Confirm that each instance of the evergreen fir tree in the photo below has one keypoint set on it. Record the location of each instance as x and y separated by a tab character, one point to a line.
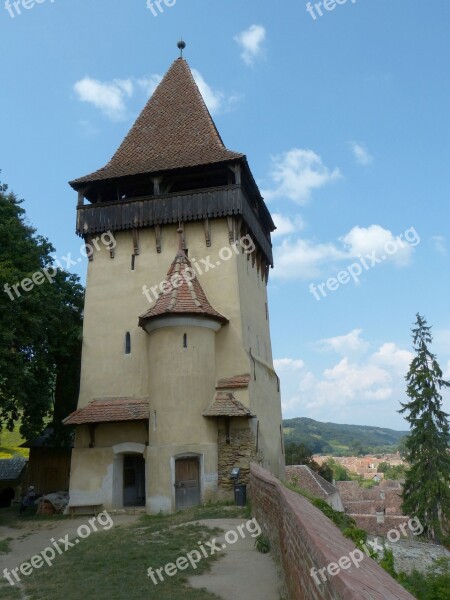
426	493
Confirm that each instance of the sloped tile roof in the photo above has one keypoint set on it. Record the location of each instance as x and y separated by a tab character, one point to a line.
110	410
237	381
311	481
226	405
187	298
11	468
175	130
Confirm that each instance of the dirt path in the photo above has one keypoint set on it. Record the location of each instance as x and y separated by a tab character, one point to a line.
242	572
34	536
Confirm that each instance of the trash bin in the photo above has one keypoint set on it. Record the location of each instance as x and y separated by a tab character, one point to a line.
240	494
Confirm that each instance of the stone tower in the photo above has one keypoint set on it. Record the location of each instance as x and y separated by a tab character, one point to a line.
177	381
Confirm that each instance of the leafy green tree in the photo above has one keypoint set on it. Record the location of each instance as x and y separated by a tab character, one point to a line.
298	454
40	330
426	493
340	473
325	471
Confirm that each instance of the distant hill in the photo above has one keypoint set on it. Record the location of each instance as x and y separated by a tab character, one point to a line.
341	440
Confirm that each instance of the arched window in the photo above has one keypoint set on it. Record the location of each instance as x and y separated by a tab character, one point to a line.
185	340
127	343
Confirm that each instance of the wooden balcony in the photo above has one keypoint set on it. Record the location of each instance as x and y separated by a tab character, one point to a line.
196	205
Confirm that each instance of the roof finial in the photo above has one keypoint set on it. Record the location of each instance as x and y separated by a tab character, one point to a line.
181	45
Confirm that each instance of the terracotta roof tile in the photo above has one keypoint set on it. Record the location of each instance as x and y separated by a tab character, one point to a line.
110	410
175	130
226	405
311	481
188	298
237	381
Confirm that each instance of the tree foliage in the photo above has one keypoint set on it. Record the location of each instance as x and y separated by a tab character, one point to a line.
40	331
426	493
300	454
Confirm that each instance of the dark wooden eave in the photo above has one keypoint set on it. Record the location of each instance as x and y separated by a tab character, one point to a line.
148	211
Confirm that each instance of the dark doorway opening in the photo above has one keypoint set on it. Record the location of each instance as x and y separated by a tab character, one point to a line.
133	480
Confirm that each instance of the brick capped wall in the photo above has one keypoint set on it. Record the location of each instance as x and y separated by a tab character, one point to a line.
302	538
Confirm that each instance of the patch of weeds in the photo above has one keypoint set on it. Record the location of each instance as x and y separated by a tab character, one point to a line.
262	544
4	546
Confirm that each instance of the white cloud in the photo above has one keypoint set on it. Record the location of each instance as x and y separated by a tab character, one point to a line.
213	99
345	344
361	154
440	244
251	42
305	259
302	259
296	173
149	84
446	371
362	241
286	225
111	97
108	96
390	355
288	364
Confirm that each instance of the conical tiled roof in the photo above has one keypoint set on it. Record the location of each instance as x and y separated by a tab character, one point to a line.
175	130
185	296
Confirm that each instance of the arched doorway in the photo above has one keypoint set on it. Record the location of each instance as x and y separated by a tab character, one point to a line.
129	481
187	482
133	480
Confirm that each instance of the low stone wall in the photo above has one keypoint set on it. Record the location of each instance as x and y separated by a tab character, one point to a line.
302	539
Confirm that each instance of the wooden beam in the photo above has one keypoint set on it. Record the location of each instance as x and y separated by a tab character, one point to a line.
158	238
207	226
136	242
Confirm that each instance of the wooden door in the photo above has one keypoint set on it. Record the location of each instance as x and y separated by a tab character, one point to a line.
187	482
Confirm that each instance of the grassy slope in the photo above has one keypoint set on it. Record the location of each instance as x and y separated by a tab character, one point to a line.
10	442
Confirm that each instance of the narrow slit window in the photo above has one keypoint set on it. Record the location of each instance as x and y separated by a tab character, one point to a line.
127	343
185	341
133	261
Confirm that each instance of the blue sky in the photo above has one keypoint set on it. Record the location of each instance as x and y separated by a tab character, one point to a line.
344	119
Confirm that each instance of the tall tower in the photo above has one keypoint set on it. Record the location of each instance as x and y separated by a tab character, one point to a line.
177	380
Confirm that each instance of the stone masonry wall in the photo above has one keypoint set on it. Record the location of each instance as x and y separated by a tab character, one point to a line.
302	538
238	453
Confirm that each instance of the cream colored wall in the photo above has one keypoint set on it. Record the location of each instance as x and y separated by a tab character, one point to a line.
180	383
114	301
108	434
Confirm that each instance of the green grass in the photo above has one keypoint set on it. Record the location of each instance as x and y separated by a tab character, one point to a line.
4	546
10	442
112	565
